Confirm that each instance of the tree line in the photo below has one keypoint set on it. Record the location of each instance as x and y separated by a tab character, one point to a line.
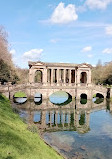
102	74
8	71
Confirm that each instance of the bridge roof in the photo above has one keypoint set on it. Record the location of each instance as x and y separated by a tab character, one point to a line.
39	63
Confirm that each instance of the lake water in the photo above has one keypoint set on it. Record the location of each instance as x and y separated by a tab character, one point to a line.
78	131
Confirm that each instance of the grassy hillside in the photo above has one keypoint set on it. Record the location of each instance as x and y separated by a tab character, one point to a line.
16	142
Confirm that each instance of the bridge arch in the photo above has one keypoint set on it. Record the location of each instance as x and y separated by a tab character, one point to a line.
60	98
20	94
99	95
56	91
83	77
26	91
83	98
38	76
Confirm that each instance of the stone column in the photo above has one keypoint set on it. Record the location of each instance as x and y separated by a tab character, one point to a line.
87	73
77	119
66	117
64	72
56	119
52	76
68	113
61	75
45	76
43	119
89	76
87	118
69	77
31	75
49	75
30	117
50	118
57	76
75	76
78	77
63	118
74	118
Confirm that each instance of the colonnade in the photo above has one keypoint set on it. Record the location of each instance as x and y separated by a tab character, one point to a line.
60	74
55	119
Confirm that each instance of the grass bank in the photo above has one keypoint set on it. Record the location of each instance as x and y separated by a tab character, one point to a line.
16	142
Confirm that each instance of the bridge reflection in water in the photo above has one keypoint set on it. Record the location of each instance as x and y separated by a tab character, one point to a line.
49	117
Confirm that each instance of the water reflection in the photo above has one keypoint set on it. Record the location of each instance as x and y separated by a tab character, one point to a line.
20	100
38	98
98	100
50	117
60	98
38	101
76	130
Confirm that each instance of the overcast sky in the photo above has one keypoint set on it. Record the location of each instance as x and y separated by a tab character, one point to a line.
73	31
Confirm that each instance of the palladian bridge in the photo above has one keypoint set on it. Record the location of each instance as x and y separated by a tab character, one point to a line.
47	78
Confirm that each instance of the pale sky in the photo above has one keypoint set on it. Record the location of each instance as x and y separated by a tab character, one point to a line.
73	31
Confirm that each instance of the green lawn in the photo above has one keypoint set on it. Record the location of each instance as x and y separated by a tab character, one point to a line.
16	142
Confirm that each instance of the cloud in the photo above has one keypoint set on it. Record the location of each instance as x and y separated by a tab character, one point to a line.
89	55
107	51
13	52
33	54
97	4
86	49
54	40
108	30
63	15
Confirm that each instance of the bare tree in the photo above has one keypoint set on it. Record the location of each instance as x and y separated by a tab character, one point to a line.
4	53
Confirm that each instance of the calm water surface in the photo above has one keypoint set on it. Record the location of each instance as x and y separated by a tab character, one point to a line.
82	131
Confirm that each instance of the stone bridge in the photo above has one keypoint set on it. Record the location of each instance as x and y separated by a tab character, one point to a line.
47	78
31	89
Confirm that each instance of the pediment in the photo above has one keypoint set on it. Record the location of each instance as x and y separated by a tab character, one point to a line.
38	63
84	65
